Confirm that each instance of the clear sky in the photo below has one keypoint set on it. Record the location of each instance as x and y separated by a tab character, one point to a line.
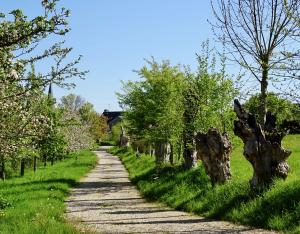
114	36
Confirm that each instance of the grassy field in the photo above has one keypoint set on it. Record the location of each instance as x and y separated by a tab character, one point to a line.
35	203
277	207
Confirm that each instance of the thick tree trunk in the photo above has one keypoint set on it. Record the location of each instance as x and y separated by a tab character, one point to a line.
162	153
262	147
214	149
22	169
34	163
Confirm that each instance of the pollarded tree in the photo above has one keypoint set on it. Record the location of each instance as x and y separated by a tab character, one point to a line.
153	107
207	102
259	35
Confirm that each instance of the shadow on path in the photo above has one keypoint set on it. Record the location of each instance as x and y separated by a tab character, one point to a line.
107	202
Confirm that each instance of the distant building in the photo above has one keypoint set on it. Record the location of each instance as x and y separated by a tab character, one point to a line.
113	117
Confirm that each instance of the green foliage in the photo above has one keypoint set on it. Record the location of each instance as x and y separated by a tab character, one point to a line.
283	108
115	133
154	105
52	145
27	126
4	203
35	202
170	106
234	201
209	93
98	127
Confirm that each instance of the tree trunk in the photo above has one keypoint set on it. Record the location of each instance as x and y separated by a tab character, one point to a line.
214	149
34	163
171	154
124	139
150	150
22	169
189	152
179	152
263	97
45	161
162	153
2	169
262	147
52	160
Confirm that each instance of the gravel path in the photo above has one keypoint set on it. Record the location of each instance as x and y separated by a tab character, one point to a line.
107	202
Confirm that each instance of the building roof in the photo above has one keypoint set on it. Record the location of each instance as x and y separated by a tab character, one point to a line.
112	116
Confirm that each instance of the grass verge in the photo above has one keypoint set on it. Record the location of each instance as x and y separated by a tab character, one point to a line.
35	202
277	207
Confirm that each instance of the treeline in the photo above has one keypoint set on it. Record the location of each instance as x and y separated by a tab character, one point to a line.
180	115
31	126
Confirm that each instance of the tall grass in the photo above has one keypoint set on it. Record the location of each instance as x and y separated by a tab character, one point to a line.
35	202
276	207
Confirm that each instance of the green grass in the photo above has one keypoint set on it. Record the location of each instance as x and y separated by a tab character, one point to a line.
277	207
35	202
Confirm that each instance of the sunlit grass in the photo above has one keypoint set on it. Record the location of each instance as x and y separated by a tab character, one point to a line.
277	207
35	203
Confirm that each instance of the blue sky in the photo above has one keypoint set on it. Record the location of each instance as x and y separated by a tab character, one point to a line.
114	37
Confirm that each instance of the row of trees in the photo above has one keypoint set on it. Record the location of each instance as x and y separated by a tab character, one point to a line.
171	104
177	110
31	126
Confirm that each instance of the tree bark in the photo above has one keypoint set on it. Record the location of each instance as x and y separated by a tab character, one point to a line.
171	154
124	139
262	147
263	97
45	161
214	149
162	153
22	169
189	152
34	163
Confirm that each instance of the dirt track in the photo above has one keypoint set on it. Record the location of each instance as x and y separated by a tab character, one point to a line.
107	202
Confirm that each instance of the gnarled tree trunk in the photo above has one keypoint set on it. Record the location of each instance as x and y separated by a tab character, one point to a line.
262	147
214	149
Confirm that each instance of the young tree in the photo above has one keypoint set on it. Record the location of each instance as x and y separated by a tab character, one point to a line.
258	34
